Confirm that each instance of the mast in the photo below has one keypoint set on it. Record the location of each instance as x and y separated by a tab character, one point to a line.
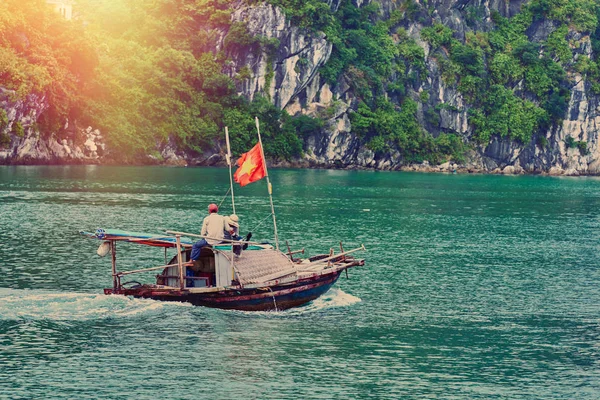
228	157
113	256
262	153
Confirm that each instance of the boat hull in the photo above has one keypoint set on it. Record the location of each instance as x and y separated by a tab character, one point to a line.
272	298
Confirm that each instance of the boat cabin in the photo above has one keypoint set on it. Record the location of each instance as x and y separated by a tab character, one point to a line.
213	268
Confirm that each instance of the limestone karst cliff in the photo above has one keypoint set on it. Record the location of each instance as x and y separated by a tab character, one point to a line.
302	90
434	79
27	145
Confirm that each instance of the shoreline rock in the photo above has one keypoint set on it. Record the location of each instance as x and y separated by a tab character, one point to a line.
216	160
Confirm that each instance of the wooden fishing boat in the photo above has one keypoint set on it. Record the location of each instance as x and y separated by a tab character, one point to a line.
262	278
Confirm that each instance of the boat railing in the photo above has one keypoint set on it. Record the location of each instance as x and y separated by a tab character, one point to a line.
342	256
135	271
118	275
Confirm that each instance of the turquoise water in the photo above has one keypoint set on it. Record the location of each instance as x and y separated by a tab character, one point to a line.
474	287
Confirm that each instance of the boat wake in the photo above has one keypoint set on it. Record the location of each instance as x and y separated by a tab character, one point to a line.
332	299
18	305
48	305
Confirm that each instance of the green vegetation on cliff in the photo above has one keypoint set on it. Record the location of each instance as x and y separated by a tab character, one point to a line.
42	53
381	63
515	87
145	72
150	72
175	86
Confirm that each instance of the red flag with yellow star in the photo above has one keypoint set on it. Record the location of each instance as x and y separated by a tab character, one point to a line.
251	167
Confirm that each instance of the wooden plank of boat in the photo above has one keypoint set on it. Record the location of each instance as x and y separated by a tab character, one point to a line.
268	293
212	289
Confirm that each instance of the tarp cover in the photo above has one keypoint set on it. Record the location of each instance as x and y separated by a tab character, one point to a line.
256	266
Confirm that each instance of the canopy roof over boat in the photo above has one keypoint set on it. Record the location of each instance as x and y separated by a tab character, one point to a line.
149	239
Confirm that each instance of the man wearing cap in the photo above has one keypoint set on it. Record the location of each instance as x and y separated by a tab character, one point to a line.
214	227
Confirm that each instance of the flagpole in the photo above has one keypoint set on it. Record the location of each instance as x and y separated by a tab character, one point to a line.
228	157
262	153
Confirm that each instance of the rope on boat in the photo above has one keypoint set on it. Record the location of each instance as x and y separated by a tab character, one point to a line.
257	225
261	222
274	302
224	197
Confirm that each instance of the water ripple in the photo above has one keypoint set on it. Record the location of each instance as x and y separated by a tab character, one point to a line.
474	287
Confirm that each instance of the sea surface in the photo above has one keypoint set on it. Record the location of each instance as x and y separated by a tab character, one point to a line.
474	287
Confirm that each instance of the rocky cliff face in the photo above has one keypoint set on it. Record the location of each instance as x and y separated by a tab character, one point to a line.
288	73
301	90
294	65
24	144
581	123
